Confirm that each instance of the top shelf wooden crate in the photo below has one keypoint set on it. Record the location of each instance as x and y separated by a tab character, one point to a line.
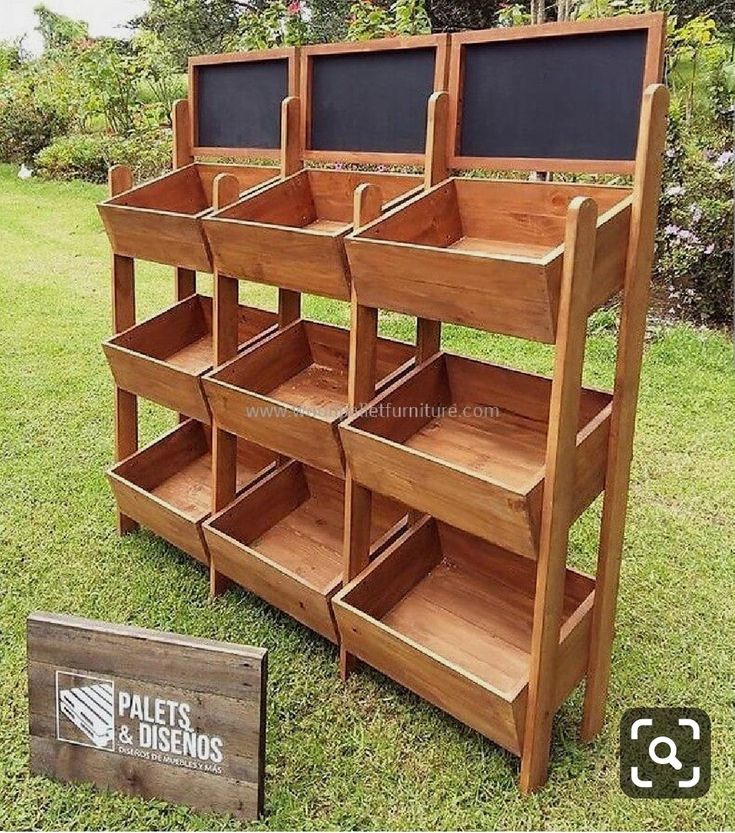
486	253
291	233
161	219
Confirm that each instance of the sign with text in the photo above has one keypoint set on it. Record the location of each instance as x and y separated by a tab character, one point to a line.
152	714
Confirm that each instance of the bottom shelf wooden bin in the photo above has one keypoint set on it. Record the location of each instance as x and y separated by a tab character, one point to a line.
282	540
166	486
450	617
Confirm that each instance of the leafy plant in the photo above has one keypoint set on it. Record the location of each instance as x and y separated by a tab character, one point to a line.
57	30
278	24
404	17
148	153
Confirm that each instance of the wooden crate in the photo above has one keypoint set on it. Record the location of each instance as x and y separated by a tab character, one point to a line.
163	358
282	539
291	234
465	441
450	617
161	219
289	392
166	486
486	254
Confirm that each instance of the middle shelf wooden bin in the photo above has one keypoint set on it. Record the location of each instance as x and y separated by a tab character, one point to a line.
164	357
450	617
289	391
291	233
282	539
465	441
167	486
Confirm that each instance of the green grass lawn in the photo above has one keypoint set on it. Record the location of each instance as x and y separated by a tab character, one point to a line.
368	755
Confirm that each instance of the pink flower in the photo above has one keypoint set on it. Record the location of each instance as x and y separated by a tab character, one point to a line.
294	7
709	249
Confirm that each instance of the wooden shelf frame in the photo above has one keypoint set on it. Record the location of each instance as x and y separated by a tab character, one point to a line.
558	503
146	371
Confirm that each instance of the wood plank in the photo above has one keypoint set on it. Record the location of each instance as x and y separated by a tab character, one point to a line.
558	502
224	700
639	261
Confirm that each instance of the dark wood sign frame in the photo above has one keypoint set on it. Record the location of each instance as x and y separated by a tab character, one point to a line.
290	54
441	67
652	24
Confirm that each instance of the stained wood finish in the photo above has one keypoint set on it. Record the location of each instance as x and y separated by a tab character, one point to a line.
161	219
283	541
164	358
226	697
449	616
122	295
166	486
558	509
485	254
291	233
456	426
290	393
627	378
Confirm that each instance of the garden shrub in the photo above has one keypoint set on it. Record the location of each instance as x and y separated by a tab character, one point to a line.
694	250
27	124
89	156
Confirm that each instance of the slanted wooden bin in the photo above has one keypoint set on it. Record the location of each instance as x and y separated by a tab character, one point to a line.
411	505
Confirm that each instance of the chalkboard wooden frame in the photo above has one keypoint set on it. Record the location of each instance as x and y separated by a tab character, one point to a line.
652	24
290	54
441	72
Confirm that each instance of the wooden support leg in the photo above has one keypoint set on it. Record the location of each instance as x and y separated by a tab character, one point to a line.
224	444
185	283
647	180
557	509
123	316
361	383
289	307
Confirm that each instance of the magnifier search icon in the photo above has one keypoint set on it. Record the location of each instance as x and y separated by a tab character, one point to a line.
669	759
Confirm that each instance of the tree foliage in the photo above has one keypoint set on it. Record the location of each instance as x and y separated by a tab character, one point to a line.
58	30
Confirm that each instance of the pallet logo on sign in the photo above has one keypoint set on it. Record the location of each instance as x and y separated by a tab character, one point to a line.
91	711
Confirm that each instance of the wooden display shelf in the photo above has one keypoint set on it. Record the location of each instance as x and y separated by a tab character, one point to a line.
161	219
291	233
163	358
486	253
450	617
465	441
289	391
282	539
166	486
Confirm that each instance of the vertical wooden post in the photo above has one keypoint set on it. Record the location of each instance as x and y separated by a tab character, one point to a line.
361	384
185	279
429	333
646	188
224	444
120	179
289	302
558	499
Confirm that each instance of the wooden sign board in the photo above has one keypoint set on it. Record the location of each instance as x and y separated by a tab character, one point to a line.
151	714
235	101
555	97
367	102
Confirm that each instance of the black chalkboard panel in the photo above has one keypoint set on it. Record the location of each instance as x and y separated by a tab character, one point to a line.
568	97
371	101
238	105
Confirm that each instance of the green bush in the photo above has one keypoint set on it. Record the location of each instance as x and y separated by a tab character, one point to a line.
89	156
694	247
26	126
